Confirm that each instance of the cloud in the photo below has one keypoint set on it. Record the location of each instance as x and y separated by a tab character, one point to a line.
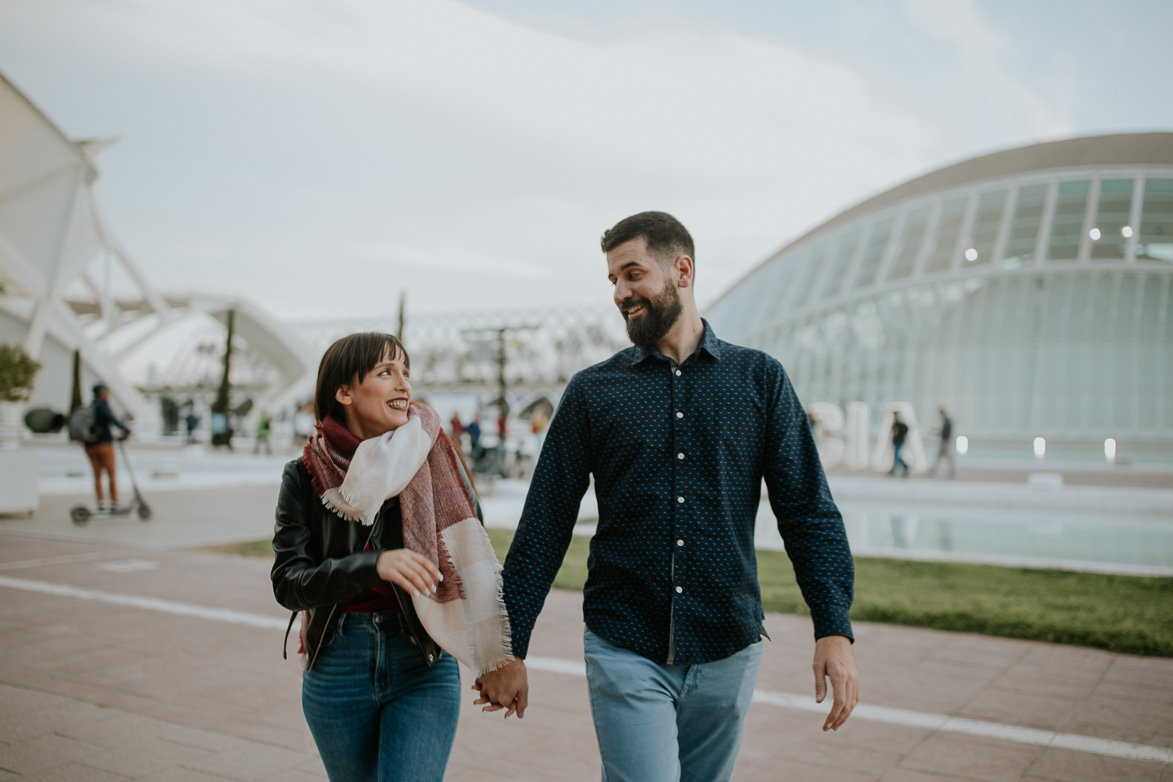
982	88
294	144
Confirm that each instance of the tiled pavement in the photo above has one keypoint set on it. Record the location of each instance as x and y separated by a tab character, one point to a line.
91	689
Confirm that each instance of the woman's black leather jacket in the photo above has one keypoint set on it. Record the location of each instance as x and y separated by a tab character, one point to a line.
322	559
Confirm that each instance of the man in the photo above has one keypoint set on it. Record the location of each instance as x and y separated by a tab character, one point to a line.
945	448
101	449
899	434
678	432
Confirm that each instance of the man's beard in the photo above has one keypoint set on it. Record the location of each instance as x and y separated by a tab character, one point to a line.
660	315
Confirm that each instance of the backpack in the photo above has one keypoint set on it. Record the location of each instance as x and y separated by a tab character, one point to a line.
83	425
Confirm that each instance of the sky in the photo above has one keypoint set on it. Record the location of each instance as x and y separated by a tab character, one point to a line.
322	156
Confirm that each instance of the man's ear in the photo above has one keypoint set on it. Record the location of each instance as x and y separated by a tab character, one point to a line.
684	270
342	395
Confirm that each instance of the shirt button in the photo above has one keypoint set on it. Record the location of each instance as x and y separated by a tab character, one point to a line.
679	590
680	415
680	543
679	456
680	499
678	373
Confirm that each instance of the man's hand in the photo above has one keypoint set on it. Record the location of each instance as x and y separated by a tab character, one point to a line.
505	688
834	658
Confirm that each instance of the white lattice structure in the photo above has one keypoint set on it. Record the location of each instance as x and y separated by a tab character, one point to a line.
1027	290
66	283
459	351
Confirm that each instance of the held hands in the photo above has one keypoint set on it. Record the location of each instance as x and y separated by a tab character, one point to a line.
834	658
409	570
505	688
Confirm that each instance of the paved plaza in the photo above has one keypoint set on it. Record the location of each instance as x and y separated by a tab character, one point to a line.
128	653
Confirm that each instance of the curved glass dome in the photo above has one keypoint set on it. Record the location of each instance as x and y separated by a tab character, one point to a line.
1027	291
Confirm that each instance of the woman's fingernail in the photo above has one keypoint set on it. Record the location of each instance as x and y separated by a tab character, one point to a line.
441	576
417	593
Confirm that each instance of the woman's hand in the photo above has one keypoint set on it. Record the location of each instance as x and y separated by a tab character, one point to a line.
409	570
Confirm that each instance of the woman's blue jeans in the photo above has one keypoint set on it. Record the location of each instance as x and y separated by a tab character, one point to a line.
664	723
376	710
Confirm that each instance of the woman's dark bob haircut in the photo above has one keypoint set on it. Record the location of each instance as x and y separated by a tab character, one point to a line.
347	361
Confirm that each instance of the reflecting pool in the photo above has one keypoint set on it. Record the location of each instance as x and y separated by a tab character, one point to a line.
1125	543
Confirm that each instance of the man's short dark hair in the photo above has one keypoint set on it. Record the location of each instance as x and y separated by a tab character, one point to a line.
665	236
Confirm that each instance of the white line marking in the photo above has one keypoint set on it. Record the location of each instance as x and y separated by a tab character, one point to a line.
149	603
912	719
127	566
926	720
62	560
995	730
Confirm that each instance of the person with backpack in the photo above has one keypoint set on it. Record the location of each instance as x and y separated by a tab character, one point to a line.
100	445
899	434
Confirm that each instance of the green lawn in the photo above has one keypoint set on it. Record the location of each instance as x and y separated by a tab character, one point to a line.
1118	613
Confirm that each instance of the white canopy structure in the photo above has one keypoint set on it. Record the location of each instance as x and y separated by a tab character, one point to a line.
66	282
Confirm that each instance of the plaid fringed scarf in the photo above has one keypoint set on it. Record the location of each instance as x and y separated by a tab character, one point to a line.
466	615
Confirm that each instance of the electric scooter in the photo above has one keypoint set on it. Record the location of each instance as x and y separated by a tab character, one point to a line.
81	515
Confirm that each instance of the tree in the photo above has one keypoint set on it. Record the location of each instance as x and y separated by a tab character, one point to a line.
75	400
221	403
402	314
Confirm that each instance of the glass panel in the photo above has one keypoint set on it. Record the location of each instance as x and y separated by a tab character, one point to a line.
771	284
1156	223
908	243
806	276
945	241
980	248
1110	229
874	253
834	279
1024	227
1067	227
728	317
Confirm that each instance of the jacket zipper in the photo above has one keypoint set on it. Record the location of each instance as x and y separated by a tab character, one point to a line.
428	657
333	608
321	637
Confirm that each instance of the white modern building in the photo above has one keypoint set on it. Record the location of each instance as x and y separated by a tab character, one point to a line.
1027	291
67	284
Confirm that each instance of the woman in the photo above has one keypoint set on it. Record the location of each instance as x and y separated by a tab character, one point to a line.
379	544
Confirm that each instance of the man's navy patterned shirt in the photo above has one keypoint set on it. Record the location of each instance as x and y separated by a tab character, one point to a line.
678	454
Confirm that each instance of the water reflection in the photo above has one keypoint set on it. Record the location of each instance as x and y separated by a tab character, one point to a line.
1064	539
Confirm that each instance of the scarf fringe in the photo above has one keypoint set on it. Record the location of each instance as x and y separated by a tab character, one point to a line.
415	463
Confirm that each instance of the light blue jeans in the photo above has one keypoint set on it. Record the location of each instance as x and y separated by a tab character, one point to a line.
376	710
664	723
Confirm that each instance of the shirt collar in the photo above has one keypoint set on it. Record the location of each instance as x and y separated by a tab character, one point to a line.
709	344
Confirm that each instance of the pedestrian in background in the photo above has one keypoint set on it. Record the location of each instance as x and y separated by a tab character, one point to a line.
899	434
191	421
945	448
262	436
100	450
